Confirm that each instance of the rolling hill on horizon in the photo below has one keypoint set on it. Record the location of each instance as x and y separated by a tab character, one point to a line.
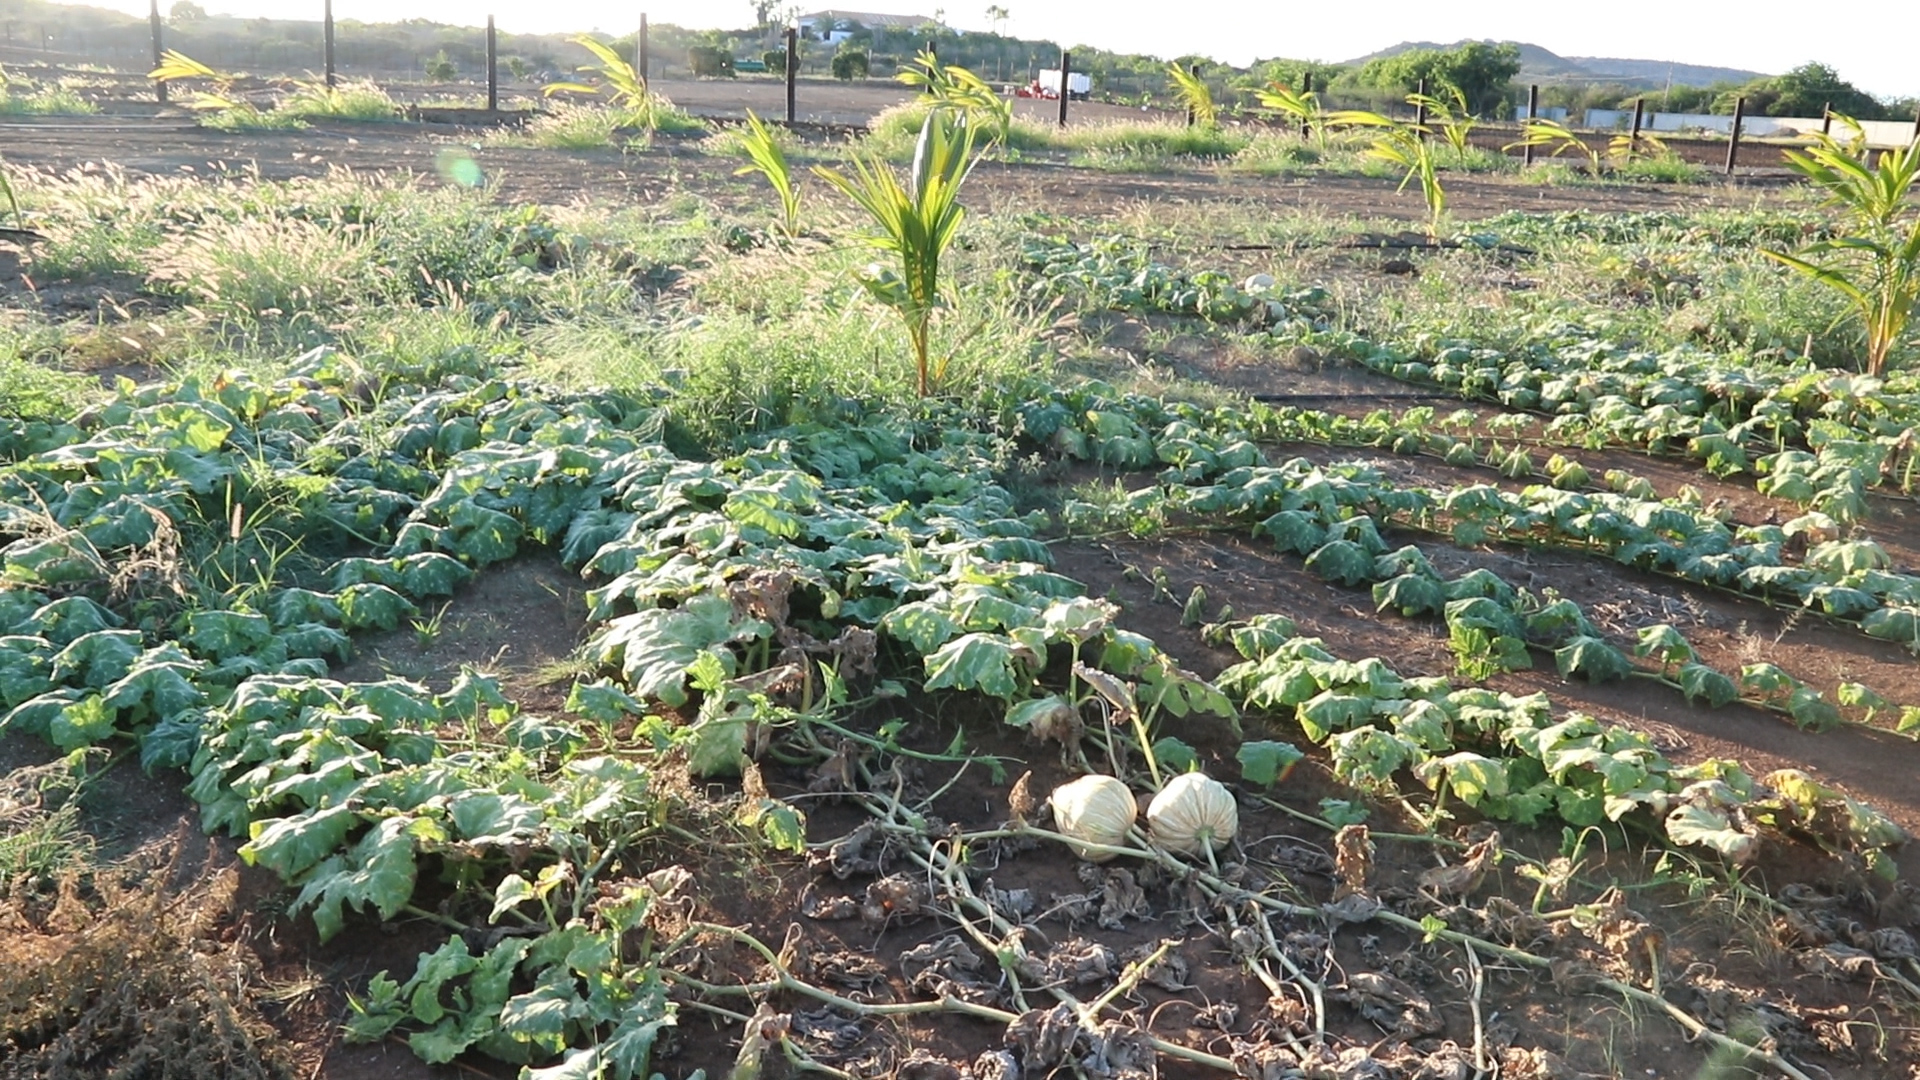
1538	64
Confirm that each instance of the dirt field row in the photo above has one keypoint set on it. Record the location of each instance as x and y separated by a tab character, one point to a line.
165	146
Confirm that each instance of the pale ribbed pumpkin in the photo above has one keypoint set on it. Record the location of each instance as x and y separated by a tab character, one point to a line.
1192	814
1095	809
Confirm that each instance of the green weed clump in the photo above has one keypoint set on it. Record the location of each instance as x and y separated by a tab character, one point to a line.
359	99
22	97
49	101
571	126
567	126
249	117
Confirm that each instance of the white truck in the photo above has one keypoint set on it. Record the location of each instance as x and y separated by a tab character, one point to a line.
1078	84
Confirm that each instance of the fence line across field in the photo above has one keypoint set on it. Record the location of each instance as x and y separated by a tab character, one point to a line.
1064	84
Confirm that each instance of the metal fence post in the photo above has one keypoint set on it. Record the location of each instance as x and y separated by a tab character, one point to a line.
642	59
493	68
1733	144
1066	65
1533	113
153	17
327	48
793	72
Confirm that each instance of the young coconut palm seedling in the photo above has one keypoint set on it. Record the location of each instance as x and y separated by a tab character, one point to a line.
176	65
7	198
1877	267
1194	93
917	224
954	87
1303	106
1558	137
765	157
1403	146
626	88
1450	117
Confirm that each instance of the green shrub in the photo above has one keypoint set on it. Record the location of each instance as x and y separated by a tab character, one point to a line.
850	64
710	62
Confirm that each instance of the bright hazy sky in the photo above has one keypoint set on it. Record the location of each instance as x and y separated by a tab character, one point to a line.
1871	42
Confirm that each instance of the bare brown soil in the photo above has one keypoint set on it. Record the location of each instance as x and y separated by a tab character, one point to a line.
164	146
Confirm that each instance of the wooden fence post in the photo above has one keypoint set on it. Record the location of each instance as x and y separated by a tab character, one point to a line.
793	71
1193	70
1066	65
1533	113
1826	118
1306	87
1733	144
327	47
493	68
1639	112
641	60
1916	124
1420	111
153	17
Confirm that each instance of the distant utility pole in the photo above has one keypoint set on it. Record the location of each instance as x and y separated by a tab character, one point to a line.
493	68
327	48
153	18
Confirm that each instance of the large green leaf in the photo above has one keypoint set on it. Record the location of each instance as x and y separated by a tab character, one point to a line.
481	535
290	845
1343	562
85	722
654	648
1294	530
368	605
1700	682
25	664
154	690
217	635
1592	659
98	659
1267	762
378	871
1471	777
989	663
1709	827
1410	594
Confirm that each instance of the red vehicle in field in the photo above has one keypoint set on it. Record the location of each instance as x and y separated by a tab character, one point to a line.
1046	86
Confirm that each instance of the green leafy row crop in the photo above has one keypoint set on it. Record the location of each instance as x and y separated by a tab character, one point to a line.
1512	759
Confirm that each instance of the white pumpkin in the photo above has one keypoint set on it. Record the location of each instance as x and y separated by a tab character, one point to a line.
1096	809
1192	814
